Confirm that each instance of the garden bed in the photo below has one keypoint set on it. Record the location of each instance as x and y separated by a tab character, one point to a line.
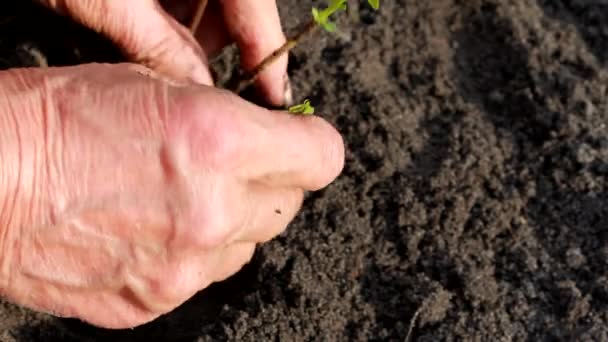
474	201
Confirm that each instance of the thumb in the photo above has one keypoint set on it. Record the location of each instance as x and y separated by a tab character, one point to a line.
146	34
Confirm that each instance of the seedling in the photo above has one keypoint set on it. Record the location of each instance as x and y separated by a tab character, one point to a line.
304	108
320	18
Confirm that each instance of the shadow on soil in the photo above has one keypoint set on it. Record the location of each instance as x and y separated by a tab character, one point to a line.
62	42
589	17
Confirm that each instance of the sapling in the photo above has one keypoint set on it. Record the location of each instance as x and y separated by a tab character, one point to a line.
320	18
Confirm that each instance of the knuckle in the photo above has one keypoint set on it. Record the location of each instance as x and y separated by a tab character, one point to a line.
160	56
213	139
223	142
164	286
213	232
179	281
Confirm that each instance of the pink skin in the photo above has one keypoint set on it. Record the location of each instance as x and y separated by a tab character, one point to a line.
152	35
123	195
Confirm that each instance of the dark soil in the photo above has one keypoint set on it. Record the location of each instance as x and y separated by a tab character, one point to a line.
474	202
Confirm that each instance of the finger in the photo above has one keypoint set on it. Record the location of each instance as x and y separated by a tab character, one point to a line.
230	260
176	52
147	35
295	151
253	143
181	10
191	271
163	288
211	33
255	25
270	210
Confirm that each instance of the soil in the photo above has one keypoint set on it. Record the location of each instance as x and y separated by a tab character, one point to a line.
474	201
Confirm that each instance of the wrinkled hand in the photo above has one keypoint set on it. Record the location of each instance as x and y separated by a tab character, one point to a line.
122	196
149	35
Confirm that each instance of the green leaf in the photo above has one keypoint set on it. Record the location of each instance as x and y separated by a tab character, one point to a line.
304	108
374	3
316	14
321	17
329	27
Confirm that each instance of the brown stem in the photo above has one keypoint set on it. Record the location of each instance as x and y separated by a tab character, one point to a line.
198	15
250	77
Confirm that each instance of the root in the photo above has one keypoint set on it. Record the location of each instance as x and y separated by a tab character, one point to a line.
413	323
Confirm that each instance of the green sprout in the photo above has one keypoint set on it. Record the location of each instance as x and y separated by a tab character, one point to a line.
304	108
321	17
374	3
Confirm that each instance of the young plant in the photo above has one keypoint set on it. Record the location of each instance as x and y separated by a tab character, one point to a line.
320	18
303	109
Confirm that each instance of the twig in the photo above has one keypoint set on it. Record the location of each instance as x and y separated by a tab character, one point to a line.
413	323
198	15
288	45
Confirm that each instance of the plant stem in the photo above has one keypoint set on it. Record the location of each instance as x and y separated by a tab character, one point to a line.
198	15
250	77
413	323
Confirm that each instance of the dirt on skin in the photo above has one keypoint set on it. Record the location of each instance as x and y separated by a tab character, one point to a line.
474	201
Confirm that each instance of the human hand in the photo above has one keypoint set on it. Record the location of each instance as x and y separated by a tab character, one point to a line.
121	196
149	35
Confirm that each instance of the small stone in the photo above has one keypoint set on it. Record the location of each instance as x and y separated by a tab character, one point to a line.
575	257
601	168
497	96
530	289
589	109
584	154
435	307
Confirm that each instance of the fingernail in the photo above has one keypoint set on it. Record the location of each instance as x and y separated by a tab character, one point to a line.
288	95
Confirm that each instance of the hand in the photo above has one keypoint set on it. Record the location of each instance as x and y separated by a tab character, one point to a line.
121	196
151	36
